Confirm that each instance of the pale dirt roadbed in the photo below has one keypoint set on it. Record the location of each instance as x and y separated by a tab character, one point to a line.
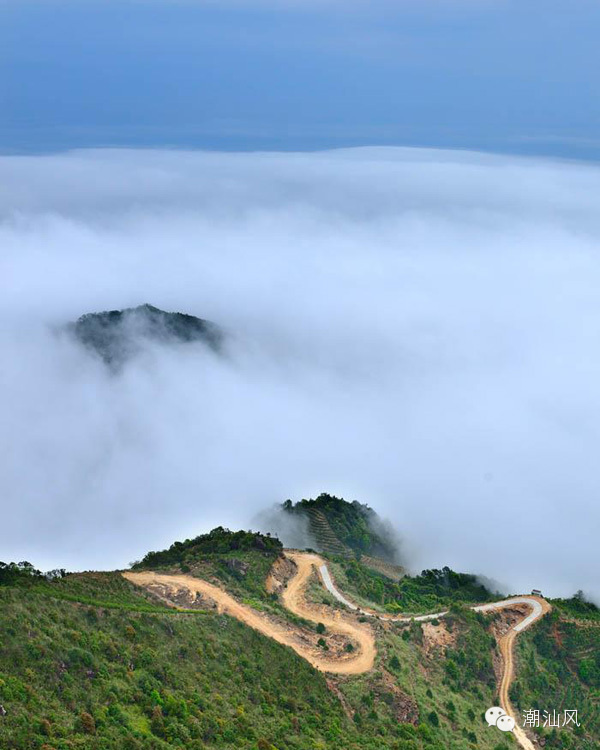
506	645
359	661
362	658
538	606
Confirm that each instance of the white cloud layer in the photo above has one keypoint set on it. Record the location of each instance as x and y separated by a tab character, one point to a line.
415	329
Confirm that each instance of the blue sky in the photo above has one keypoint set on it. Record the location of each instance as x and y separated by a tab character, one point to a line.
503	76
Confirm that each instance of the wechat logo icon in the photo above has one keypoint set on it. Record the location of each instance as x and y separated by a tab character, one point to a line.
497	717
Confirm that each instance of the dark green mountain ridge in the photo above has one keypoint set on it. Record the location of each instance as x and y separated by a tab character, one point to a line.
116	335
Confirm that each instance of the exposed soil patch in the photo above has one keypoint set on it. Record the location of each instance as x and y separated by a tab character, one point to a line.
505	619
282	570
436	637
183	598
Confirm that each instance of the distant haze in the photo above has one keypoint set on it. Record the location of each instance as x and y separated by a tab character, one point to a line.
297	75
414	329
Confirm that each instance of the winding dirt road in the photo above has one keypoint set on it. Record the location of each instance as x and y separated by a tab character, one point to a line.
506	646
359	661
538	606
362	658
293	598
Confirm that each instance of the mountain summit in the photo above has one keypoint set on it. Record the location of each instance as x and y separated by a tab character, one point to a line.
116	335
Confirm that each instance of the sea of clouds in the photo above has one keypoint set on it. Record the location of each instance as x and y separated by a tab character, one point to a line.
414	329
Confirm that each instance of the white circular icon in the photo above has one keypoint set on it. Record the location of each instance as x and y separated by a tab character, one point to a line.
505	723
493	714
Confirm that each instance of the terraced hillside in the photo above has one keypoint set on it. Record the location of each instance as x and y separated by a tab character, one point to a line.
326	540
349	530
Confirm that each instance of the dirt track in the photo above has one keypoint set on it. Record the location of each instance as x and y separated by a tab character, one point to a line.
506	645
293	599
363	657
361	660
538	606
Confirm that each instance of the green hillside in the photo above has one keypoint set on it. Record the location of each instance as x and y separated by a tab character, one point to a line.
120	676
559	668
88	677
238	561
430	591
343	528
89	661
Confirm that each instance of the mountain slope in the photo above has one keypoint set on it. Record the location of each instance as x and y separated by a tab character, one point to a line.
346	529
91	661
94	678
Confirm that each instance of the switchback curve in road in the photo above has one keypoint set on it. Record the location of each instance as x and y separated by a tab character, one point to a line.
539	607
363	658
359	661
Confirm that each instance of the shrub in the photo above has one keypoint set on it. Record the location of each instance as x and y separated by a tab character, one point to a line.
87	723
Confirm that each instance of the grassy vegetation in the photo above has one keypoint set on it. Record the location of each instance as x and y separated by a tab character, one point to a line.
106	590
74	676
91	662
219	541
558	669
578	607
432	590
449	687
95	677
238	561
